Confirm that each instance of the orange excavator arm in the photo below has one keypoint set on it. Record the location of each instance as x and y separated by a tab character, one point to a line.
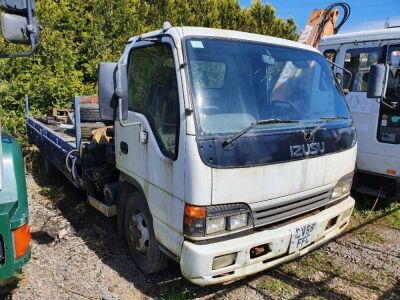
322	22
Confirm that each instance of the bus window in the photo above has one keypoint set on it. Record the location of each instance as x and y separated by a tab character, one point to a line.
358	62
389	118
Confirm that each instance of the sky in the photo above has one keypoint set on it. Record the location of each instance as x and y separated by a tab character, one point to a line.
365	14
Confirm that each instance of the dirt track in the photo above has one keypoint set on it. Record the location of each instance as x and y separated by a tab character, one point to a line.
77	255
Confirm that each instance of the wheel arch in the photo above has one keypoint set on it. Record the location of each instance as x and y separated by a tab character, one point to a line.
128	185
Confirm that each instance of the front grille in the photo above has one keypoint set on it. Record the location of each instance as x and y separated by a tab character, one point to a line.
282	210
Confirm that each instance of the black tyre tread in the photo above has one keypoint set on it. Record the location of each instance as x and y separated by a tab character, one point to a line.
158	260
86	128
90	112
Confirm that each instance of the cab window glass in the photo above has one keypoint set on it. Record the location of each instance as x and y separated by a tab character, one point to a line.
210	74
389	118
153	92
393	60
358	62
330	55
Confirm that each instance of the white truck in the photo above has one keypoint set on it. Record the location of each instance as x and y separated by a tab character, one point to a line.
377	120
234	151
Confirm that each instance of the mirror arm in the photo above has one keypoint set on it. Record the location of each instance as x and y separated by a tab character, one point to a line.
28	53
120	121
119	93
393	106
32	30
341	68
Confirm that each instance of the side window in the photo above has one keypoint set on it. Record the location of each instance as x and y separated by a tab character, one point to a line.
153	92
330	54
389	119
393	85
358	62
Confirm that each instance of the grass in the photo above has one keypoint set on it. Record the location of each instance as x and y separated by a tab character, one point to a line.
388	210
368	235
321	261
393	217
174	293
275	287
294	269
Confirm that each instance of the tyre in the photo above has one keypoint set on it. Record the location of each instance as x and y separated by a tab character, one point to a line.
139	230
86	129
110	193
90	112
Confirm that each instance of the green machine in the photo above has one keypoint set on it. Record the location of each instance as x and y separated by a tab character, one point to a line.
18	26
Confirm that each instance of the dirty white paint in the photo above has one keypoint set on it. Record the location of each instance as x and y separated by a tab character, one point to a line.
168	184
196	260
359	103
373	156
262	183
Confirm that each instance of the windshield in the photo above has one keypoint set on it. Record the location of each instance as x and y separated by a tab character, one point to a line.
236	83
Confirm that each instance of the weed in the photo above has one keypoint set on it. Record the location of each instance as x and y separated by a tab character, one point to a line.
278	288
46	191
393	217
368	235
174	293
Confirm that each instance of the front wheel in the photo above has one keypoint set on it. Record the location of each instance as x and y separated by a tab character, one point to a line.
139	230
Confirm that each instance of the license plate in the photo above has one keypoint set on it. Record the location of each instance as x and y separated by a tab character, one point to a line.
302	236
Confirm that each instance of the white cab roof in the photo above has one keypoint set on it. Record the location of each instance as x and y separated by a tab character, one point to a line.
239	35
362	36
181	32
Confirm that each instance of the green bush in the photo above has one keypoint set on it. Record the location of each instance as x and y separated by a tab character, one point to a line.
77	35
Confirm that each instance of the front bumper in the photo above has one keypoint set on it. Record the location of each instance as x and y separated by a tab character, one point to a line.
9	271
197	260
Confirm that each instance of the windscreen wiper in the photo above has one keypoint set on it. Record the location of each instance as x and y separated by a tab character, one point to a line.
324	120
233	138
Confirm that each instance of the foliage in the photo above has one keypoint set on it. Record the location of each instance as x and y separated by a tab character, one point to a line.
77	35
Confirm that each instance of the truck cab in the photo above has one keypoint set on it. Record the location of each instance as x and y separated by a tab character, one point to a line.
14	228
235	151
18	26
377	120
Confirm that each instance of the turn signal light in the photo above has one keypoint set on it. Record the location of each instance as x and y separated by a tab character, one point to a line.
197	212
22	238
391	171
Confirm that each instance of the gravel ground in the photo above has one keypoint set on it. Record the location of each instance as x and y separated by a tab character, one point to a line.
76	254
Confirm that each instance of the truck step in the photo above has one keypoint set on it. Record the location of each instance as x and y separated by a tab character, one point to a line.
108	211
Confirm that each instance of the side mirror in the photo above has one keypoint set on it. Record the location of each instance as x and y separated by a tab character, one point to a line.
20	7
15	29
377	80
108	100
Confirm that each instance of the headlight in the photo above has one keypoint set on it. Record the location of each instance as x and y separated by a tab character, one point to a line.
238	221
201	221
215	225
343	187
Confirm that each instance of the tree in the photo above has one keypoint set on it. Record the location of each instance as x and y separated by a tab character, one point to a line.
78	35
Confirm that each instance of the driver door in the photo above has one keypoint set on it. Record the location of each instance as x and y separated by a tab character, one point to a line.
374	154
